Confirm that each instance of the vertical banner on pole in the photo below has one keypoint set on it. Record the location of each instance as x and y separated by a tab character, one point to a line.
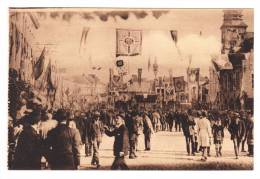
139	76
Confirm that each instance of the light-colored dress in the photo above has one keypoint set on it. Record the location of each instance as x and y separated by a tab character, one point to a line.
204	132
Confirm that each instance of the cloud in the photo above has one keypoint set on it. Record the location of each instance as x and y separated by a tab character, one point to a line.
200	48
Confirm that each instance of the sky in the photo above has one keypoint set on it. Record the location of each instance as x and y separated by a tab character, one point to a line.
63	31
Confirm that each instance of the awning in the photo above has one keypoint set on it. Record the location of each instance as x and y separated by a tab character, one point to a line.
222	62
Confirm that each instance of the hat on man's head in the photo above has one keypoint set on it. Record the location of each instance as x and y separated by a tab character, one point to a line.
34	117
199	113
61	115
96	114
204	113
236	114
44	115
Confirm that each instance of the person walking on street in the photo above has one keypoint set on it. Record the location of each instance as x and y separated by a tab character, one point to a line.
121	143
132	131
148	131
237	131
29	149
250	135
218	135
96	138
139	125
63	145
244	118
204	132
88	120
188	127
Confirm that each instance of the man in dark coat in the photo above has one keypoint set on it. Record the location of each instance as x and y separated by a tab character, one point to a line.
79	121
63	145
177	118
237	131
170	120
131	125
120	144
188	127
250	134
29	148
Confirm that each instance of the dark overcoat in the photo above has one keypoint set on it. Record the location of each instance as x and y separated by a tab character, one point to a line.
121	140
29	150
63	144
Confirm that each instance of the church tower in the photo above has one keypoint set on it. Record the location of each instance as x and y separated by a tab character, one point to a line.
233	31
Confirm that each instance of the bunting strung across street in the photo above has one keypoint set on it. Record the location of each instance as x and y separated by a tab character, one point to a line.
179	84
128	42
193	75
38	67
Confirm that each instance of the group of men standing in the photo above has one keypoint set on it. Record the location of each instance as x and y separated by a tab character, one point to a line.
202	129
58	136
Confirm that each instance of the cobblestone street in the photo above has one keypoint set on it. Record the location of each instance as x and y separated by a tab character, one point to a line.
169	153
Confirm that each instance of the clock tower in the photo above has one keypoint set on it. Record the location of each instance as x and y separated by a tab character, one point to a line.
233	31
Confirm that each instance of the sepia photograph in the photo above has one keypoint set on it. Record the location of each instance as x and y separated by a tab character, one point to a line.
130	89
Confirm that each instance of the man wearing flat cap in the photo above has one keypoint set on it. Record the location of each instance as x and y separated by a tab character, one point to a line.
237	131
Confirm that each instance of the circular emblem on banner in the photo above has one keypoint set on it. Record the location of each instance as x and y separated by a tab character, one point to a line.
178	85
129	40
119	63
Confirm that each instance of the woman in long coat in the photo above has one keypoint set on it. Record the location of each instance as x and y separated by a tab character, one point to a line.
204	132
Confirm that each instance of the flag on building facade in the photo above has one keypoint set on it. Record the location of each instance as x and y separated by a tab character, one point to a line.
149	64
116	81
38	67
49	79
193	75
121	66
174	35
179	84
83	39
128	42
169	90
84	36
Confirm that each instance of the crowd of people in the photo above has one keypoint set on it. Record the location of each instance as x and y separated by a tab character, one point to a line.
41	135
